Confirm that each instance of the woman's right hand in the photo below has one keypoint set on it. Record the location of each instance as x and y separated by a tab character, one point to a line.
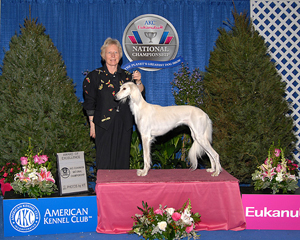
92	130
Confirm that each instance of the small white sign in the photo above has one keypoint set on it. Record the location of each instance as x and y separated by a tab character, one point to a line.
71	172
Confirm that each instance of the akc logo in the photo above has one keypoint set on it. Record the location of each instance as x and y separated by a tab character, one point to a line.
65	172
24	217
150	37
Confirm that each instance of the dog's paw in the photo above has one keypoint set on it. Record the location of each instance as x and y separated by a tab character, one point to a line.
210	170
141	172
215	174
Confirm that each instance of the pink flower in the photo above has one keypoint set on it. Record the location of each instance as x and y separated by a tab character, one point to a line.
5	174
40	159
159	211
46	175
22	176
271	161
43	158
11	170
190	228
36	159
278	168
24	160
277	152
176	216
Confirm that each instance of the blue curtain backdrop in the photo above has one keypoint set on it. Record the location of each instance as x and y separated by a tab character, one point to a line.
78	29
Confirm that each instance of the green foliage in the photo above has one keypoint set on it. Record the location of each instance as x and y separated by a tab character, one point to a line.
165	151
136	152
38	100
40	189
244	97
187	87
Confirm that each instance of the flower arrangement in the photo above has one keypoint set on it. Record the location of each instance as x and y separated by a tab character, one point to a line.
276	173
35	179
7	174
166	223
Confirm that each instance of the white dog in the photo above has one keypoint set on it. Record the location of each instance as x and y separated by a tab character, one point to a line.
154	120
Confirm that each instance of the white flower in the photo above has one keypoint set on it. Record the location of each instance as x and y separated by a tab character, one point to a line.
186	217
279	177
32	176
170	211
293	177
162	225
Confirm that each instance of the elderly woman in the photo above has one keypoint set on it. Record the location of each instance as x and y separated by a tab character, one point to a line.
111	122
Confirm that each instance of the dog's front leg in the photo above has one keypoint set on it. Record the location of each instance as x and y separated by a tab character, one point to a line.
146	142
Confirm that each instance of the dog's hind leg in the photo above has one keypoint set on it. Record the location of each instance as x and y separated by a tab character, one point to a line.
213	157
198	149
146	142
202	134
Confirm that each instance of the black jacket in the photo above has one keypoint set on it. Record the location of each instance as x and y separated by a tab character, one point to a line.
99	88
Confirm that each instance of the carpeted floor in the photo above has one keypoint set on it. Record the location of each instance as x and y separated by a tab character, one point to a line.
164	175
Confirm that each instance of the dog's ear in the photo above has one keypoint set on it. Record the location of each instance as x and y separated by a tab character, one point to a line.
135	94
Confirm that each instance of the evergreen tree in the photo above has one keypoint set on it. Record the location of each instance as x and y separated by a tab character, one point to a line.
38	101
244	97
187	86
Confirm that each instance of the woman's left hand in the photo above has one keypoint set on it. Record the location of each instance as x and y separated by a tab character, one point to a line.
136	75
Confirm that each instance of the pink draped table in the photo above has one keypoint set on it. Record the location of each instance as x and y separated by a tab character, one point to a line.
216	199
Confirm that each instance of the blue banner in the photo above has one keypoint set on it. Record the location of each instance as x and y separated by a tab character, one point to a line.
153	64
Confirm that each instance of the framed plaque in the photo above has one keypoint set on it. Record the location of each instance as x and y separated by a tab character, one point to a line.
71	173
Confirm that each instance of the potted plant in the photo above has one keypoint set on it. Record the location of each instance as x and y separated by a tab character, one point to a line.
166	223
276	173
35	179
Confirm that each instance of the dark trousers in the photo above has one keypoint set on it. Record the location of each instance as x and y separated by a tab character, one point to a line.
113	146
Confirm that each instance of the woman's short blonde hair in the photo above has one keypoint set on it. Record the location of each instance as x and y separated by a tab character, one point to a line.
111	41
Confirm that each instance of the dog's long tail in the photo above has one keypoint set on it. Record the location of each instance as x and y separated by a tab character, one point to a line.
197	149
208	130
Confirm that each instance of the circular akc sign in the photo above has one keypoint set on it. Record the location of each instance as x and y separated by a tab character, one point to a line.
24	217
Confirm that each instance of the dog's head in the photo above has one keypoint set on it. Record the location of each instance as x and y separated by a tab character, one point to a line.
125	91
